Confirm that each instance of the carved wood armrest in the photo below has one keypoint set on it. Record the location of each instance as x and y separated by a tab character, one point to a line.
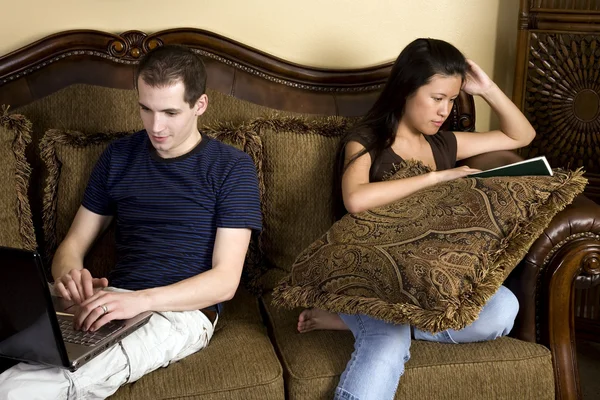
568	250
556	307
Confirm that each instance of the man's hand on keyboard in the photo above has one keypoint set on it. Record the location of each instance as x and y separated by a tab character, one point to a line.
105	306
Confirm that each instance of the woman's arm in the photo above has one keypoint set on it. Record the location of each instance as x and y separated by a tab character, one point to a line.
359	194
515	130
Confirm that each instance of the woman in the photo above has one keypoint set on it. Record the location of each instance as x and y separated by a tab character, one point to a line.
404	123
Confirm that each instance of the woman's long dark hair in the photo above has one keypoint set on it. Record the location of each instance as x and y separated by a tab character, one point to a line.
414	67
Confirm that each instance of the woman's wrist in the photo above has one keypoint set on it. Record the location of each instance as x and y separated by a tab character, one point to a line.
433	178
491	94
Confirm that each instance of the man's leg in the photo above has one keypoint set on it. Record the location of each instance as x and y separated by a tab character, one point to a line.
185	333
496	319
377	363
36	381
166	338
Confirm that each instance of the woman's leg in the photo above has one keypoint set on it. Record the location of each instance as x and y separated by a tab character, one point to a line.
496	319
377	363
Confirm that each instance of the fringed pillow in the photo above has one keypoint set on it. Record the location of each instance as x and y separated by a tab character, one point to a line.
432	259
15	212
69	158
245	138
298	159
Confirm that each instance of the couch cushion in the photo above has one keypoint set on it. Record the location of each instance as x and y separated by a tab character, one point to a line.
505	368
298	167
238	364
434	258
15	212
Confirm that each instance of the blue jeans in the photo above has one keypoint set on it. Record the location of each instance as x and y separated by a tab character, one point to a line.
381	349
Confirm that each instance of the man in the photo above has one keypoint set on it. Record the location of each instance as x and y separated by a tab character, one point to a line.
184	205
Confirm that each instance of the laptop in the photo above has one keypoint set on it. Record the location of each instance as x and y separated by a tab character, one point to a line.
38	327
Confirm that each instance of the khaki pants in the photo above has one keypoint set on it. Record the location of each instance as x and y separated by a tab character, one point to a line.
167	337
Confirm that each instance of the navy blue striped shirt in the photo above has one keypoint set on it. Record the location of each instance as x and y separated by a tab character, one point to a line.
168	210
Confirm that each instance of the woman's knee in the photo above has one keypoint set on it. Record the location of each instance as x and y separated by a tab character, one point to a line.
500	312
380	341
496	319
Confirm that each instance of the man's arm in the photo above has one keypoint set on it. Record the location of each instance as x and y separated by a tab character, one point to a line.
72	281
206	289
211	287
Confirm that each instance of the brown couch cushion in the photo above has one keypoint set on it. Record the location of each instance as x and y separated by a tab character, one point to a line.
238	364
298	167
15	212
69	158
505	368
432	259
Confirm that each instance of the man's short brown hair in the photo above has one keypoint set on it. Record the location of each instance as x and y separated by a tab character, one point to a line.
166	65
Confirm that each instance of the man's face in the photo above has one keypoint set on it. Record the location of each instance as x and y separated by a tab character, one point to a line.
170	122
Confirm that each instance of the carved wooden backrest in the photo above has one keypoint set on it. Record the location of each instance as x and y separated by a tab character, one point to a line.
557	82
104	59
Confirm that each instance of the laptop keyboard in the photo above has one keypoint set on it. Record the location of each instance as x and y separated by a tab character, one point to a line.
71	335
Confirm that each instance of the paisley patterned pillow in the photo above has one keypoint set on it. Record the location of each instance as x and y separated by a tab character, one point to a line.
432	259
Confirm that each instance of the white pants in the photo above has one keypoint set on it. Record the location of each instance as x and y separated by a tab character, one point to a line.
167	337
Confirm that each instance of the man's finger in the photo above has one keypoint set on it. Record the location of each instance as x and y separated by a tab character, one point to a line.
86	311
72	288
99	282
93	317
103	320
76	276
87	283
94	299
64	293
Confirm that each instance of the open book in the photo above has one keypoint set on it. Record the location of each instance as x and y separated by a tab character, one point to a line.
533	166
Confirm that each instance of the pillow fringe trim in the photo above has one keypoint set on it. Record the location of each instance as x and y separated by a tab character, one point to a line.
22	127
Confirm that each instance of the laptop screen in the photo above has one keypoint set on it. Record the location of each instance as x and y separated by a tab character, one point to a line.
28	325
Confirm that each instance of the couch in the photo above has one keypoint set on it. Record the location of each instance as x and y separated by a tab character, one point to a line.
79	84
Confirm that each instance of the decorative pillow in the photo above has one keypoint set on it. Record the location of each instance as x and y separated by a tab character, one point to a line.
432	259
16	223
245	138
70	156
297	167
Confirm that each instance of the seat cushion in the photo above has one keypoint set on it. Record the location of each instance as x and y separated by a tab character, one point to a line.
505	368
239	363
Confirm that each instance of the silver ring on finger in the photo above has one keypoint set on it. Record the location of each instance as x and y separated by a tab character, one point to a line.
104	308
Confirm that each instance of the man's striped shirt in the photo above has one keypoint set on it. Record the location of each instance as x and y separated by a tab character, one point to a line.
168	210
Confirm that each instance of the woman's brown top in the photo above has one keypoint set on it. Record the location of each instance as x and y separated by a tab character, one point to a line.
443	146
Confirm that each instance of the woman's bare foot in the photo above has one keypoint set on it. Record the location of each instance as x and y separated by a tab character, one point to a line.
315	319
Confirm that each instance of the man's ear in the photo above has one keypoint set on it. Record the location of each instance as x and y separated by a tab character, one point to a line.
201	105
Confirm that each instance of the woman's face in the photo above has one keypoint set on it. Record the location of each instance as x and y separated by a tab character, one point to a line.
427	108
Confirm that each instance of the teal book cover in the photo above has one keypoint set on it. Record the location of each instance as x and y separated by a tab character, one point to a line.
534	166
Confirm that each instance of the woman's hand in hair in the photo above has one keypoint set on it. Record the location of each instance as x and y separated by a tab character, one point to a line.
477	82
453	173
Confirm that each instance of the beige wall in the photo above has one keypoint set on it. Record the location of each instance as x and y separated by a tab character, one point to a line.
324	33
